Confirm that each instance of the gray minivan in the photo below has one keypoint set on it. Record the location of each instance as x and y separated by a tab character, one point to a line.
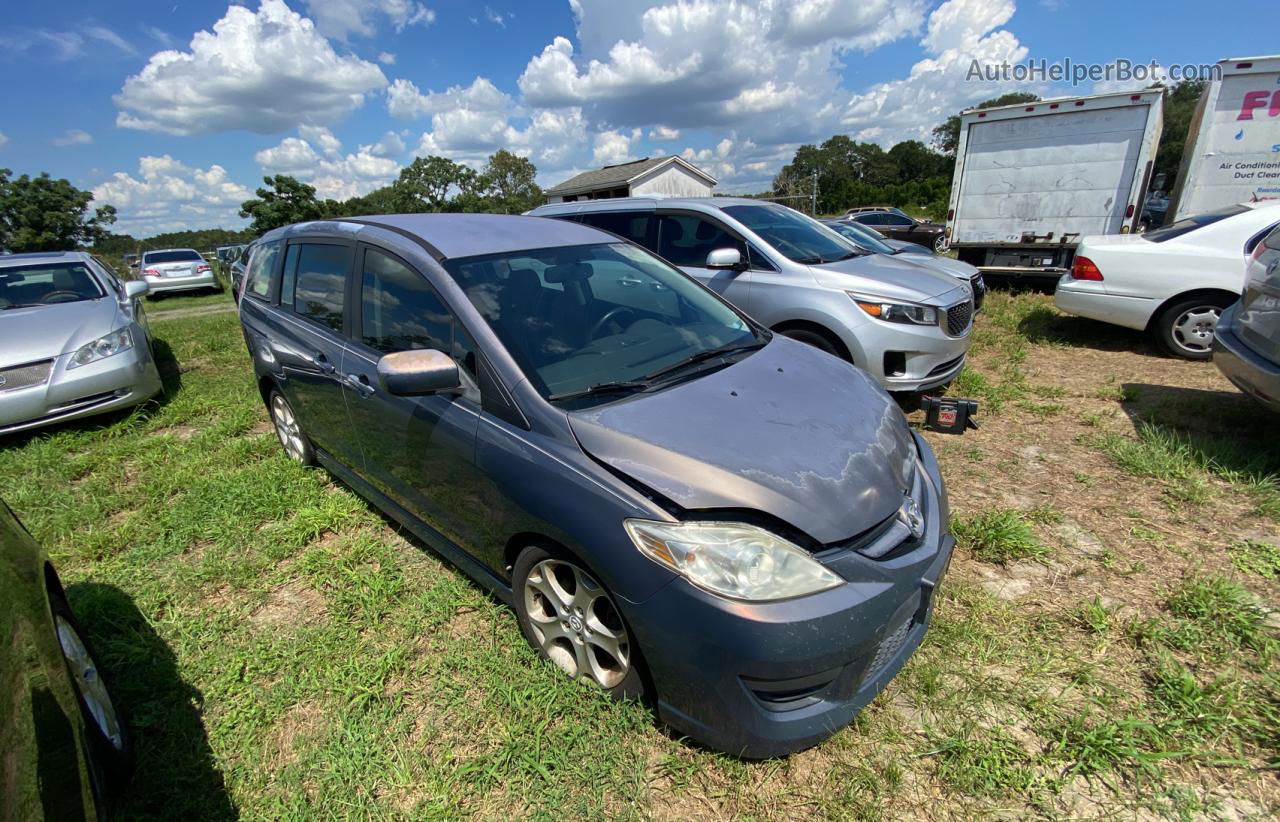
905	325
1246	345
679	504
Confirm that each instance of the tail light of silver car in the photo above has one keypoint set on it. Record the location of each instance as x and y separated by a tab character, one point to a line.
201	269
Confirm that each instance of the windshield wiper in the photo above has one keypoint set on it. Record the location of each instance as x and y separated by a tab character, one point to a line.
602	388
809	260
23	305
703	356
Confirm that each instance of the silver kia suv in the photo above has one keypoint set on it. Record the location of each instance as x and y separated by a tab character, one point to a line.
908	326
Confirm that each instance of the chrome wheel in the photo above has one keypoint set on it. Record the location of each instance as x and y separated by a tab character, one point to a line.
576	624
1194	328
84	672
287	429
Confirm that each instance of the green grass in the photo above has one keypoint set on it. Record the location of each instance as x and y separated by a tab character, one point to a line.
282	651
182	300
1000	536
1254	557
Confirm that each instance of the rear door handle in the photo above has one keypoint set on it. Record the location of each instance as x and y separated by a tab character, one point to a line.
359	383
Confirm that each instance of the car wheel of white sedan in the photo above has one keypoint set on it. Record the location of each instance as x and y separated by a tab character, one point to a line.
1186	328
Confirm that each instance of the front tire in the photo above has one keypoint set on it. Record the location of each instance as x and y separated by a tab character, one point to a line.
110	746
816	339
570	619
940	244
1186	328
289	431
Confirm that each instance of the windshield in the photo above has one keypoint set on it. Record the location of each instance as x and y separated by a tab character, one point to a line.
793	234
587	316
48	284
860	236
171	257
1188	224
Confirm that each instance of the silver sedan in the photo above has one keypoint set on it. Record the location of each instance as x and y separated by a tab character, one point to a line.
73	340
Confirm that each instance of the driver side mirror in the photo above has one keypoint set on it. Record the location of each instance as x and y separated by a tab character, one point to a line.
730	258
135	288
417	373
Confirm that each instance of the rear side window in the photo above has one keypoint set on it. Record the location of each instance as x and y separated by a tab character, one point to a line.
399	310
870	219
261	266
321	282
685	239
1273	239
629	225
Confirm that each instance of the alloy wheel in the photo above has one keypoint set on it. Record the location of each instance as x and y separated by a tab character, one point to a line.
1194	328
287	429
576	624
89	684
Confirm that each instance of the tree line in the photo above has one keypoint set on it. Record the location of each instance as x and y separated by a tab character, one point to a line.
45	214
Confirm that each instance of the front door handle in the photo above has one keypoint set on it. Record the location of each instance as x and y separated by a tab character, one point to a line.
322	363
359	383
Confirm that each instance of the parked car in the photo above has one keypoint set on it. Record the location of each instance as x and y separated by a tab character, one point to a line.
1172	281
675	500
898	225
177	269
67	752
907	326
1154	211
74	340
869	240
236	270
1246	347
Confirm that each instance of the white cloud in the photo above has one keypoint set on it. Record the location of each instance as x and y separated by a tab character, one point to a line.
386	58
405	101
4	139
959	32
333	174
73	137
341	18
391	145
613	147
663	133
106	35
495	17
161	36
263	72
167	195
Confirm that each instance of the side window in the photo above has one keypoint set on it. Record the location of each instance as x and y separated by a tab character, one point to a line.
289	277
261	265
1267	234
107	274
686	240
399	310
630	225
897	219
320	283
1273	239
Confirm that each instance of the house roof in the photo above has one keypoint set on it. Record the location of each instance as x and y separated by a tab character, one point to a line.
617	175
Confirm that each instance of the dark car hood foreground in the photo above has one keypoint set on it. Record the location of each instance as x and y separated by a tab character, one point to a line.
788	431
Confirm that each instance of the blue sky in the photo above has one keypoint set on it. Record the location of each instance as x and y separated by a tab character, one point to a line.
174	111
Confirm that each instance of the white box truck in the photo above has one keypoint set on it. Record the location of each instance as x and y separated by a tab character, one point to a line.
1031	179
1232	152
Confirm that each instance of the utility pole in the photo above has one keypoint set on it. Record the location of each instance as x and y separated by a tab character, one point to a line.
813	209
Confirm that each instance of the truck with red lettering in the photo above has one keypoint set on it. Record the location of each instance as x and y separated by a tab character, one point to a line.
1232	152
1031	179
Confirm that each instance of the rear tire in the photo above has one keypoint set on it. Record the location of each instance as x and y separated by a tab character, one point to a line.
296	444
1186	328
109	745
940	244
571	620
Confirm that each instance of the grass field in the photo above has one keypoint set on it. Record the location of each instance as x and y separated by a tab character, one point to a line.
1104	647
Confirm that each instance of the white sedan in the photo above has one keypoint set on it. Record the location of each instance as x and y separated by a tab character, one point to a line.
1173	281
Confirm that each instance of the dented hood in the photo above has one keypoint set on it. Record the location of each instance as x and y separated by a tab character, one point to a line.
788	431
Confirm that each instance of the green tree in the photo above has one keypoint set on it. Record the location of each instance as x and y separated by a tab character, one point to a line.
509	183
424	184
44	214
1180	103
285	200
946	137
915	162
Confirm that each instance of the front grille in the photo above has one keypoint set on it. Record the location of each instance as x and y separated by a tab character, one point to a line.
959	317
889	649
979	286
25	376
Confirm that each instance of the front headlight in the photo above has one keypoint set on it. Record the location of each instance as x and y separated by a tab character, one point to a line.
732	559
896	312
113	343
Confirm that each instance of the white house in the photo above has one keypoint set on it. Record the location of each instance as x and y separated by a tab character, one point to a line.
665	176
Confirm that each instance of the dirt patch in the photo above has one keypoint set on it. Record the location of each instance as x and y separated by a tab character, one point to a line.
291	604
296	727
179	432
